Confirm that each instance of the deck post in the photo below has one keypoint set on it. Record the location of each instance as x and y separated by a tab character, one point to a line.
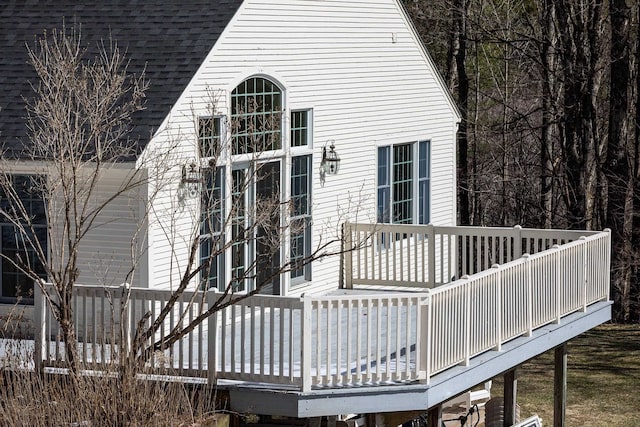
127	315
556	266
584	282
607	265
434	416
424	338
211	339
347	256
306	344
467	319
40	325
510	392
498	308
431	255
517	244
560	385
527	263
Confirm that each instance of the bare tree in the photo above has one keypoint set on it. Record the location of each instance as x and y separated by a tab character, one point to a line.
79	122
550	88
227	230
619	163
458	47
552	117
580	41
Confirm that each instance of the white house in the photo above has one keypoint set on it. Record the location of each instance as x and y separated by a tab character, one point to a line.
349	74
256	100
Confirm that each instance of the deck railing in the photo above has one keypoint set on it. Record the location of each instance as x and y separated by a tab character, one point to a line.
358	340
483	311
429	256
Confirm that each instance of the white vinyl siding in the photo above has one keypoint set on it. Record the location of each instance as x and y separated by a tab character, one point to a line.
359	67
104	256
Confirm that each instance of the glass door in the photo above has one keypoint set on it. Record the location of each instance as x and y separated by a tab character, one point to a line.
268	229
255	227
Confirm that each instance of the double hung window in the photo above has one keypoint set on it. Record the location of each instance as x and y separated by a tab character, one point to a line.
300	226
300	129
209	136
212	229
16	242
404	183
300	216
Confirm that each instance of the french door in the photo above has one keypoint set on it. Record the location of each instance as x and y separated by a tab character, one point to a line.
255	226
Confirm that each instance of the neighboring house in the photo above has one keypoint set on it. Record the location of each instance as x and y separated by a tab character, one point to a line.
344	75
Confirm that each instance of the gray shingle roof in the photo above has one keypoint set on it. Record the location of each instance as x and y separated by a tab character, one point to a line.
170	37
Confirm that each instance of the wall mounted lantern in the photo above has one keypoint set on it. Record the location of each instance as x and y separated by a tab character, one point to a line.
191	177
330	160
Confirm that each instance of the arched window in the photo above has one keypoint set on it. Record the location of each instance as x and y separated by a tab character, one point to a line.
256	116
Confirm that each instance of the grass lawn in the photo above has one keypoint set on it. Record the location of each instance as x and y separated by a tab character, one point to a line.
603	384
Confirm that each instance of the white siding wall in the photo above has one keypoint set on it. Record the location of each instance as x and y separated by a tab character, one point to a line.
359	66
106	252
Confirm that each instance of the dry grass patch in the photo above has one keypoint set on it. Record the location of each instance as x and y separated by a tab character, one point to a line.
27	399
603	382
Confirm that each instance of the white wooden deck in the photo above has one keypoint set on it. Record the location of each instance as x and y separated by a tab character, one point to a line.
366	337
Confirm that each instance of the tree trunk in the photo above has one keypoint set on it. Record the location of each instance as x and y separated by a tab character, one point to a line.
69	337
453	48
460	25
580	44
617	167
549	89
634	256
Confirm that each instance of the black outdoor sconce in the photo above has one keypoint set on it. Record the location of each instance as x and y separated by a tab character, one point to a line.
330	160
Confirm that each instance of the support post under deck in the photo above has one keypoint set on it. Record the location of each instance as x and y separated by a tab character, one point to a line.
560	386
510	392
434	416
